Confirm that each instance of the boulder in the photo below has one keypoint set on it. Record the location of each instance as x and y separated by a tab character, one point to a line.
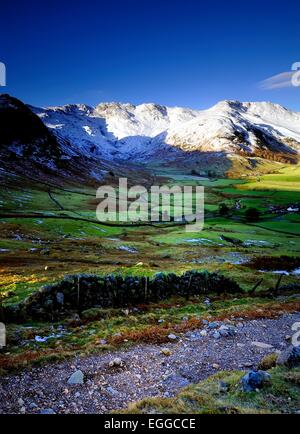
76	378
289	357
224	387
268	361
116	362
216	335
112	391
47	411
254	380
60	298
261	345
227	330
213	325
175	381
165	351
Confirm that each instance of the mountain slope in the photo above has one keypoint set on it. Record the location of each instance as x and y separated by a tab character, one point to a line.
126	131
231	126
229	135
31	148
24	135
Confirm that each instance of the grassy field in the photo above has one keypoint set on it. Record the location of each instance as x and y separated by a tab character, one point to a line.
38	250
44	247
288	179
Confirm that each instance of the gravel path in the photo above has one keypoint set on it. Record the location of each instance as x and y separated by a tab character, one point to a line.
145	370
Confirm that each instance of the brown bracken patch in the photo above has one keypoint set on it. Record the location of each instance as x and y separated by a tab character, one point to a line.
159	334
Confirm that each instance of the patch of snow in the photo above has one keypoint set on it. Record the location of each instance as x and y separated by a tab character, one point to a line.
257	243
199	241
127	249
51	336
98	228
286	273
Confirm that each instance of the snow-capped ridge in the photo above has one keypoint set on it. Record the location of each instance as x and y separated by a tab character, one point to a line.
128	131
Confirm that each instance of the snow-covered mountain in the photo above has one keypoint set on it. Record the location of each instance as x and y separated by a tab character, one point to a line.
126	131
111	130
230	138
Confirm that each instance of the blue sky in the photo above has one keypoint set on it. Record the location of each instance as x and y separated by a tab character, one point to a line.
185	52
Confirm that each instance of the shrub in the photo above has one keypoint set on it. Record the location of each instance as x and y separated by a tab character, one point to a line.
252	214
223	209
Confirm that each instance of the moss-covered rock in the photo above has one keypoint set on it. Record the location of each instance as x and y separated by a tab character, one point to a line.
268	361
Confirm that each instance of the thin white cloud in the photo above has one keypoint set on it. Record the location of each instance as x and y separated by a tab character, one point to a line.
279	81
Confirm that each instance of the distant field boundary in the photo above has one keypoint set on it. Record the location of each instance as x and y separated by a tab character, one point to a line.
273	230
93	221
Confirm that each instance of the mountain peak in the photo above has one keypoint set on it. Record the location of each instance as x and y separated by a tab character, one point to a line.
73	109
144	131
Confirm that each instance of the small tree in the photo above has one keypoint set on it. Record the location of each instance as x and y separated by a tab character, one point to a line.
223	209
252	214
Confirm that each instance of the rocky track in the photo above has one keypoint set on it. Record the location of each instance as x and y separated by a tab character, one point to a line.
112	380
